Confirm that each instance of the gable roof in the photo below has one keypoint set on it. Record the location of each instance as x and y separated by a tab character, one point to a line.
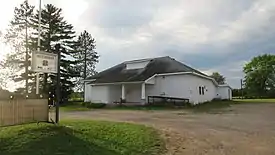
160	65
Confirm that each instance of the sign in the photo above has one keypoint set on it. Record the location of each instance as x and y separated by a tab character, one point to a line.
44	62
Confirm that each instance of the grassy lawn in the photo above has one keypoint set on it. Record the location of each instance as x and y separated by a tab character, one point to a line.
80	138
254	100
206	107
220	106
211	106
74	107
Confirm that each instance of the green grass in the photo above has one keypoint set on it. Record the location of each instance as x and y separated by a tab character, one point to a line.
74	107
222	106
206	107
210	107
255	100
80	138
148	107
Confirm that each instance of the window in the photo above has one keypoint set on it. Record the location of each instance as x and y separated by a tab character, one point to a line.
200	90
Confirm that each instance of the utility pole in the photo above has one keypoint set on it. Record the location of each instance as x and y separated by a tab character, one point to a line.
85	63
242	87
38	45
58	92
27	55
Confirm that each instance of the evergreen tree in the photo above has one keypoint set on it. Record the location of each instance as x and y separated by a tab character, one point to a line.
220	79
86	56
17	36
55	29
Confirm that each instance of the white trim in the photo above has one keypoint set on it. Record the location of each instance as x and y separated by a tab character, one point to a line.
225	85
164	74
136	61
90	80
181	73
97	84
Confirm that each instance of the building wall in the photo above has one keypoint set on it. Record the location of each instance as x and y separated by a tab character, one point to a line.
183	86
136	65
97	94
115	93
133	93
224	93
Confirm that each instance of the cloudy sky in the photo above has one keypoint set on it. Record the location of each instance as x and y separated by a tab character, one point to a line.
209	35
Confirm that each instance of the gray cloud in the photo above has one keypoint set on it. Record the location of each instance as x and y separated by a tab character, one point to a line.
210	35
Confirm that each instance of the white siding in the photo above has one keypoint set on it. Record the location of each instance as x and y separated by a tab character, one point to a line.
225	93
99	94
136	65
133	93
183	86
115	93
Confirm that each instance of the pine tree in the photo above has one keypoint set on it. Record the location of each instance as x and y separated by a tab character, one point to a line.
55	29
86	56
17	36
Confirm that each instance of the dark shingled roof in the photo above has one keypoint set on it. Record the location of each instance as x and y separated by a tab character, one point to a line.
160	65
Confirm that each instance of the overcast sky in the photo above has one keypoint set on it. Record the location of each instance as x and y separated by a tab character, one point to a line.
209	35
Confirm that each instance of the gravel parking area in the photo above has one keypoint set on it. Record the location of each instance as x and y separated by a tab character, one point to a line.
245	129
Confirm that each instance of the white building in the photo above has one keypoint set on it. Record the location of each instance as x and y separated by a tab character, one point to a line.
134	81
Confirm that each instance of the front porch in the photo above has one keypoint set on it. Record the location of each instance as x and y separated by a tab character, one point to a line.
130	94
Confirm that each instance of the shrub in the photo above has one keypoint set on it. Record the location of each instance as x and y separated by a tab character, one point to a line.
216	99
85	104
94	105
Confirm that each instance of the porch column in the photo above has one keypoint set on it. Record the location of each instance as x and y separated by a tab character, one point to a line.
123	92
143	96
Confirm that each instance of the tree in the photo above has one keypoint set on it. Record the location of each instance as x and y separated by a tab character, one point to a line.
55	29
86	56
218	77
260	76
17	36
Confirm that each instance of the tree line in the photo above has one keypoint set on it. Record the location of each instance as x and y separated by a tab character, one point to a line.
259	79
78	55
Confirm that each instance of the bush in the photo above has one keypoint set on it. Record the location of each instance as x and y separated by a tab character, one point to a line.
93	105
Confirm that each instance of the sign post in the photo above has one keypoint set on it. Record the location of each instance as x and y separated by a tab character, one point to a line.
45	62
58	93
38	45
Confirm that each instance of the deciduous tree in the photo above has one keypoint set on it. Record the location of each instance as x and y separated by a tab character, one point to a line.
260	75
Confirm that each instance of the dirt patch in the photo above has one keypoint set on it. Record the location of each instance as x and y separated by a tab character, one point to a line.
242	129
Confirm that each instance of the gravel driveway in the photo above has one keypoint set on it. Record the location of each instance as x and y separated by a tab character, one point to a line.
247	129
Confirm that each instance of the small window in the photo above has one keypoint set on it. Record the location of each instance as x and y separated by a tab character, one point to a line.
200	90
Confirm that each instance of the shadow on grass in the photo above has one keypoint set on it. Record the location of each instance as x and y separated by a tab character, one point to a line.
79	138
51	141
